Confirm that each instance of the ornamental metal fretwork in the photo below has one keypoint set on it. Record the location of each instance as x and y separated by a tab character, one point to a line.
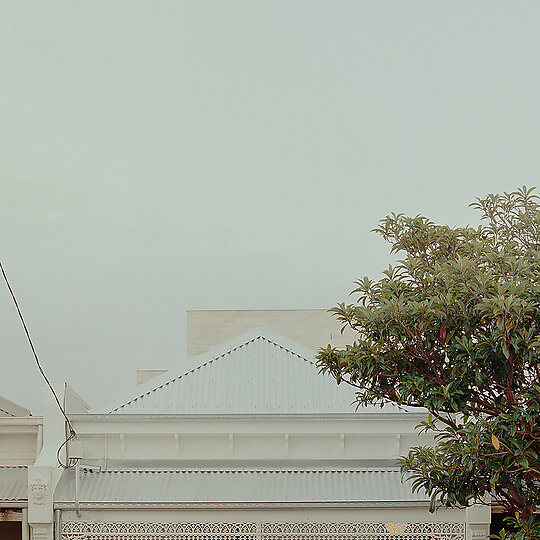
262	531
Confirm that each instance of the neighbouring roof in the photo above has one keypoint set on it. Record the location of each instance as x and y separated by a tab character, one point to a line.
10	409
259	372
13	484
237	487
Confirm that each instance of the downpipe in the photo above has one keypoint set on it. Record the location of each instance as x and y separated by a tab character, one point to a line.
77	488
57	525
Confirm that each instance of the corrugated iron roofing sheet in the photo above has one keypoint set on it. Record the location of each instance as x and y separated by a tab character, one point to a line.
13	484
262	373
236	486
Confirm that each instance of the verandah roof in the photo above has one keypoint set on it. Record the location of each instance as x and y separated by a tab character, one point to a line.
240	487
13	484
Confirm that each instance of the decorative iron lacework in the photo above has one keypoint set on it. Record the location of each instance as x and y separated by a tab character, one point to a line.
263	531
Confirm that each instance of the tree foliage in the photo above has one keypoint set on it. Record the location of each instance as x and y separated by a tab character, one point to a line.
454	327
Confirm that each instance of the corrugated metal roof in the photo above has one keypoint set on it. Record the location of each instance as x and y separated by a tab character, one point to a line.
13	484
260	373
237	486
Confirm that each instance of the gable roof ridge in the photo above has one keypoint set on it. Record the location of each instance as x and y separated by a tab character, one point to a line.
290	350
205	359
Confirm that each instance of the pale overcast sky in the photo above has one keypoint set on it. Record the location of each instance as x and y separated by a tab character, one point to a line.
164	155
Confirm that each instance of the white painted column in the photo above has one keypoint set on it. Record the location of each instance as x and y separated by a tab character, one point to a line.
478	519
25	528
45	473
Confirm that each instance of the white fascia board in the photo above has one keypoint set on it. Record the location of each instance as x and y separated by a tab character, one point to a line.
380	424
24	424
355	416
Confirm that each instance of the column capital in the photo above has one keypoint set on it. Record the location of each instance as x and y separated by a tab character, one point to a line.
42	531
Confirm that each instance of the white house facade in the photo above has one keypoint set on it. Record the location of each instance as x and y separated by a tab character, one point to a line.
244	441
20	442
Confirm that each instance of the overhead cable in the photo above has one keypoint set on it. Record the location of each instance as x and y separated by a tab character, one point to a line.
72	432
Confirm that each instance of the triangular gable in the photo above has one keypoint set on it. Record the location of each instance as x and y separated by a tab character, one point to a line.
259	372
10	409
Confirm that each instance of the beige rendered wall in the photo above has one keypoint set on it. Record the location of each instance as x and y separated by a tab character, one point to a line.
312	328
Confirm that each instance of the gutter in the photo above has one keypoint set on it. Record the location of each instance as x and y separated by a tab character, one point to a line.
117	417
13	504
116	505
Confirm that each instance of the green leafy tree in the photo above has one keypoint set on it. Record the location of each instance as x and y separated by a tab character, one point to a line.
454	327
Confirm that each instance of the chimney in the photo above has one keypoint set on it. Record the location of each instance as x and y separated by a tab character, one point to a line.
144	375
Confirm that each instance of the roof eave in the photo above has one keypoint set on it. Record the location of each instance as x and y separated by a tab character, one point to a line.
118	417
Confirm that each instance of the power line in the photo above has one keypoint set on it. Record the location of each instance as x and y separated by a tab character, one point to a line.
72	432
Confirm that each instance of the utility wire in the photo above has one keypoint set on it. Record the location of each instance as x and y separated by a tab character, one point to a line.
72	432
